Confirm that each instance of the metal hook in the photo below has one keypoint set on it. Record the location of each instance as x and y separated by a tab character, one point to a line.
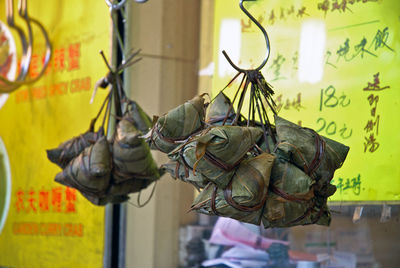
115	6
26	51
265	36
27	54
23	12
27	47
120	4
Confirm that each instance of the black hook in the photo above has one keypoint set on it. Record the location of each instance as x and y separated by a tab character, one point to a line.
265	36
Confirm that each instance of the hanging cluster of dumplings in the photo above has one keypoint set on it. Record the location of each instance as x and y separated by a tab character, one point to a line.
235	174
280	178
106	171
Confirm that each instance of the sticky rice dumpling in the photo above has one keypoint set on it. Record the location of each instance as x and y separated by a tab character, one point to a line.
219	109
185	174
138	117
131	155
70	149
245	195
90	172
177	125
217	152
316	155
291	200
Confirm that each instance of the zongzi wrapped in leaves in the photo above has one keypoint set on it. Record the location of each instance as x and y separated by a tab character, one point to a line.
219	110
177	125
291	200
70	149
318	156
90	172
183	173
138	117
217	152
131	155
245	196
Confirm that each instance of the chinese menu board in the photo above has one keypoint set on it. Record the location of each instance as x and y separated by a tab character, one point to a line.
44	223
334	66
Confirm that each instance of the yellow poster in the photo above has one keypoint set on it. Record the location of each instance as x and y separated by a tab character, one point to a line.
334	66
44	224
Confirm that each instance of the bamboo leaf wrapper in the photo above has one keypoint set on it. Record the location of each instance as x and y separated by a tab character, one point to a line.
245	197
177	125
316	155
138	117
131	155
216	153
90	172
185	174
219	109
292	200
71	148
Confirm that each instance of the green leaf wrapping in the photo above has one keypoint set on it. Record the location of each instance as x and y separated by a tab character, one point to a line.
90	172
176	125
185	174
71	148
245	196
217	152
219	109
316	155
138	117
131	155
291	200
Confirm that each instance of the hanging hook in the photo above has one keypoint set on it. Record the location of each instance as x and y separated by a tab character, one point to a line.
26	51
27	47
265	36
119	5
23	12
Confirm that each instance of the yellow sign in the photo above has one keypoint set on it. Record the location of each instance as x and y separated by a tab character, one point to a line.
334	66
46	224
